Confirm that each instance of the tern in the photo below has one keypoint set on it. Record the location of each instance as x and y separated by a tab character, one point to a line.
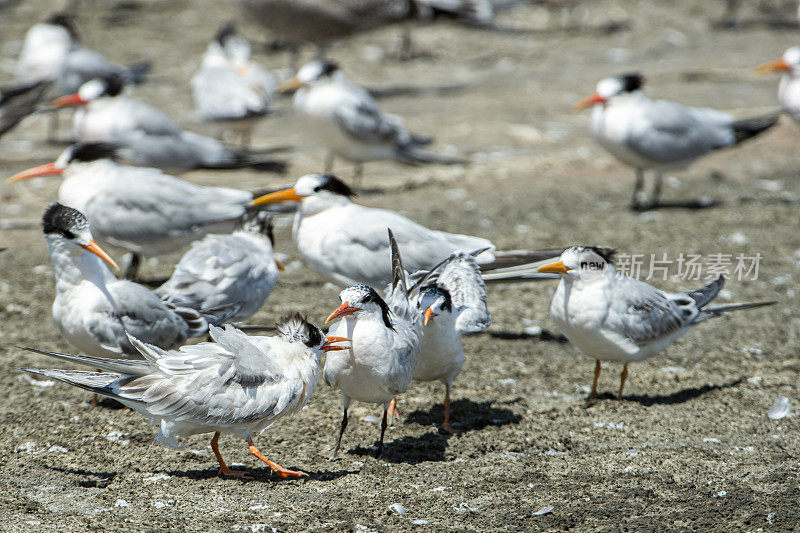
789	88
142	210
344	242
345	119
229	89
94	310
451	298
660	135
235	385
149	138
237	270
384	350
611	317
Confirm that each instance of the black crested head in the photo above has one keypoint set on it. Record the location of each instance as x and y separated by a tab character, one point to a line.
606	253
296	327
437	291
328	68
371	295
333	184
631	81
225	32
65	21
61	220
92	151
113	84
258	221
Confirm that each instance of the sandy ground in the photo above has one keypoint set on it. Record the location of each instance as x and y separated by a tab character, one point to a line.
689	447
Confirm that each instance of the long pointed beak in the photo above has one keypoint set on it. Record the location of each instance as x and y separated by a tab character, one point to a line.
70	100
99	252
589	100
286	195
279	264
429	314
48	169
554	268
772	66
343	310
290	85
328	348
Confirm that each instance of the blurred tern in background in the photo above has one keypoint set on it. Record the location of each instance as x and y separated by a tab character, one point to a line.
236	385
142	210
345	242
660	135
385	342
345	119
789	88
229	89
148	137
236	270
611	317
94	310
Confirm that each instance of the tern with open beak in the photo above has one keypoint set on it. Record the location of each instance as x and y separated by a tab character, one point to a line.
789	87
660	135
384	350
611	317
94	310
345	242
345	119
142	210
236	385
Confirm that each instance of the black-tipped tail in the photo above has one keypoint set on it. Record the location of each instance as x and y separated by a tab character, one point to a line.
413	155
750	127
137	72
707	292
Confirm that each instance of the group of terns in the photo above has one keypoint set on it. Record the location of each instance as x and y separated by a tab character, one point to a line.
409	292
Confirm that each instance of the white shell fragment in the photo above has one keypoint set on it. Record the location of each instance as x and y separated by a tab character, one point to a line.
780	409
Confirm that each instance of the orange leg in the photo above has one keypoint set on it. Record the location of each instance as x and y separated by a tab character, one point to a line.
622	377
445	426
275	467
223	468
593	392
393	412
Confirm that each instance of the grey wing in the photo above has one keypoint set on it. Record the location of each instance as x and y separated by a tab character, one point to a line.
461	276
18	102
363	120
669	132
82	65
644	314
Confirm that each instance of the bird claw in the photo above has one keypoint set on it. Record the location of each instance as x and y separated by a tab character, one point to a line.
241	474
446	428
284	473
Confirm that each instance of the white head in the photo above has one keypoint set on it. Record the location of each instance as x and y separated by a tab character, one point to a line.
322	188
586	263
360	300
789	63
435	301
234	45
609	88
311	74
93	89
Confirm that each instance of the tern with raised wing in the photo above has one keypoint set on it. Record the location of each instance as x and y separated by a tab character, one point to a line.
660	135
236	385
384	350
345	242
612	317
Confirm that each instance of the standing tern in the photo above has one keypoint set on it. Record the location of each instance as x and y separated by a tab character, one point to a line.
384	350
94	310
142	210
660	135
345	119
611	317
230	89
344	242
236	385
149	137
237	270
789	88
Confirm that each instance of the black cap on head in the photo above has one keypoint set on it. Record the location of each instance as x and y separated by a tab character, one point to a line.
297	327
114	84
65	21
437	291
335	185
606	253
61	220
226	32
328	67
631	81
92	151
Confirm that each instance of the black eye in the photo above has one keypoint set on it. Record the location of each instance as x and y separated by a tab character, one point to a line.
68	234
318	188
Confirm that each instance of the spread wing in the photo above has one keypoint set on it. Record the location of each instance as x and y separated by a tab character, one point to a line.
669	132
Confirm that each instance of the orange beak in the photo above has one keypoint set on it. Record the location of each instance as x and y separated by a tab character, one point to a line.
290	85
589	101
328	348
429	314
343	310
773	66
554	268
99	252
279	264
48	169
70	100
286	195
